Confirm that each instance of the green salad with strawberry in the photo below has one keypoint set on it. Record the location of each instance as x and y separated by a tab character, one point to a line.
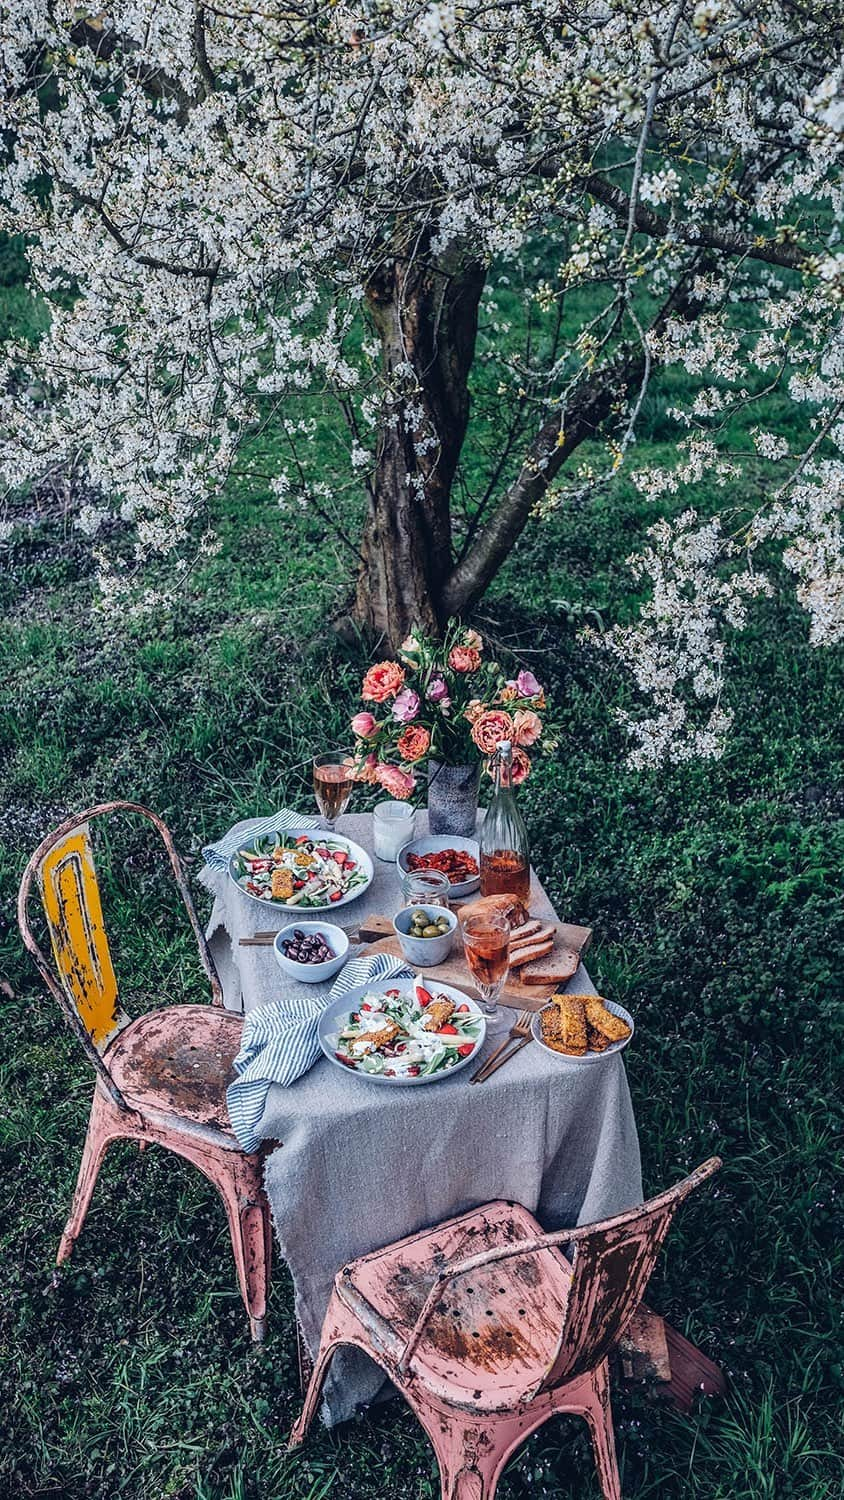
408	1033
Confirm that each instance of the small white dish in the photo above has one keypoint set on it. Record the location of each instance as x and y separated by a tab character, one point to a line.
424	952
432	843
588	1057
336	939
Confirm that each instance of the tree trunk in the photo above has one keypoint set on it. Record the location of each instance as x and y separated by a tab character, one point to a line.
428	323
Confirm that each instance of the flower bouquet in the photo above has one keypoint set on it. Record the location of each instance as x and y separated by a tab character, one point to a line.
443	707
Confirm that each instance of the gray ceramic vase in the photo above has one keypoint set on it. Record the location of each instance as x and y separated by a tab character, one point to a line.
453	798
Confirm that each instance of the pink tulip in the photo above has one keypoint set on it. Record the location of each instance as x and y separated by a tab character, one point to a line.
406	706
363	725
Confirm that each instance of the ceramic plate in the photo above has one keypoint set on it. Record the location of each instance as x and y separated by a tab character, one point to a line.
431	843
362	861
588	1057
335	1015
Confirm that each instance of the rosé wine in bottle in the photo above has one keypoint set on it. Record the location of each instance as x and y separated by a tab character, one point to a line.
505	852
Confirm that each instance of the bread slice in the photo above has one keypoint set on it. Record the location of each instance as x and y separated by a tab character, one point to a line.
555	970
526	930
530	953
541	935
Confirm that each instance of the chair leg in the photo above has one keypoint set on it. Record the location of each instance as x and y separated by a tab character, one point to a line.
598	1414
336	1330
469	1457
99	1136
250	1227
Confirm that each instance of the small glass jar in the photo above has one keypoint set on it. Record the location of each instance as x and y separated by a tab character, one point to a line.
392	827
425	888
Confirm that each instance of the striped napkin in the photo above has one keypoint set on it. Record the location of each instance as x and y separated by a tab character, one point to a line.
280	1042
218	855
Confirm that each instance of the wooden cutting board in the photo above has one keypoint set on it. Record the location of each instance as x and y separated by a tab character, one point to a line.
377	932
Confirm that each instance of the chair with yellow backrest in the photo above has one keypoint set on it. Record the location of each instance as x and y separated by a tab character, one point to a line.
160	1077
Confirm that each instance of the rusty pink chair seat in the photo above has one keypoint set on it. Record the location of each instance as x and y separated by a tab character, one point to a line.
507	1321
177	1063
161	1077
488	1330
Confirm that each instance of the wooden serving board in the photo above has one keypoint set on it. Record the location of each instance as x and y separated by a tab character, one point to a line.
377	932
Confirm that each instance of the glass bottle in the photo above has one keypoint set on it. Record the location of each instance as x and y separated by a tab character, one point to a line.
505	852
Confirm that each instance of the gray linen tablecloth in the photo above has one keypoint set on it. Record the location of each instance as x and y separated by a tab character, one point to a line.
361	1165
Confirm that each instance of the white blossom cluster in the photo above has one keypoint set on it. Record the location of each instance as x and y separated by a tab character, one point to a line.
210	195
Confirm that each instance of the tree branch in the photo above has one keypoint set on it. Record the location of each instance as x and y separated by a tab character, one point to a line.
728	243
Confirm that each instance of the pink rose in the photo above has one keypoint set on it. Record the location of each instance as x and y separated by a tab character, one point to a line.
413	742
464	659
490	728
527	726
397	782
363	725
382	681
527	685
406	706
437	691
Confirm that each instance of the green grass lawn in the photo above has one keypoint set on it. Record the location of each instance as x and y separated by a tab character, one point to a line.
714	894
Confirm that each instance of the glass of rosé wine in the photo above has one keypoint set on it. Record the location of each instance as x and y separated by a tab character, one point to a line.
486	944
333	784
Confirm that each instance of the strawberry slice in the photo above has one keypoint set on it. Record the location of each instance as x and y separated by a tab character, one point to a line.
391	994
349	864
335	895
340	857
424	996
448	1030
414	1071
303	839
461	1008
466	1048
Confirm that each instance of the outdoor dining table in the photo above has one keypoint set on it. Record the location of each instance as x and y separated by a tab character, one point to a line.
360	1165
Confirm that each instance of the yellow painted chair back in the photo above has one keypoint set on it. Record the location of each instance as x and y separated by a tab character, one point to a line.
70	895
82	978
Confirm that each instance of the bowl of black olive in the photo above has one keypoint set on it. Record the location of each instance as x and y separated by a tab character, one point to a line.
311	951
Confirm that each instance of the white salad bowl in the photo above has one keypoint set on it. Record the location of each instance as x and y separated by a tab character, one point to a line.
337	1012
360	856
337	941
421	951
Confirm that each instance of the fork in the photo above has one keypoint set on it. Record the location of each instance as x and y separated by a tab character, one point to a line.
519	1032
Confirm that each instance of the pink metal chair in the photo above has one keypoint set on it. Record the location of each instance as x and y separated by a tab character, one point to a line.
488	1330
161	1077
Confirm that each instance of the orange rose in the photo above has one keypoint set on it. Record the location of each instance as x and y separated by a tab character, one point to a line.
366	770
527	726
382	681
490	728
474	640
413	742
397	782
473	710
521	766
464	659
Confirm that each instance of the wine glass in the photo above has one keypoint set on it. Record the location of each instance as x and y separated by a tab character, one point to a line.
333	783
486	943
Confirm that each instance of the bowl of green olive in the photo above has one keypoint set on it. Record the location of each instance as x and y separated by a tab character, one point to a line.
425	933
